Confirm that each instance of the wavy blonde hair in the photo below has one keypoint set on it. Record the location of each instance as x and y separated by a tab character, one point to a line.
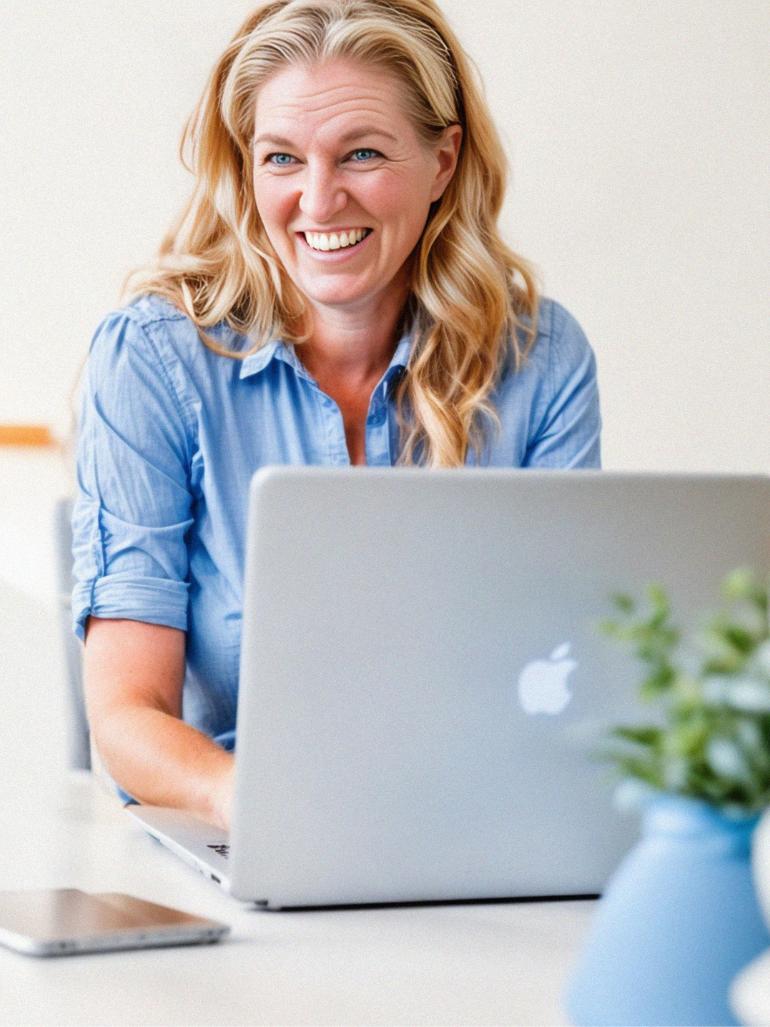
470	294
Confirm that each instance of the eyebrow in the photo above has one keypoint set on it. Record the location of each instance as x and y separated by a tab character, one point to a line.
355	133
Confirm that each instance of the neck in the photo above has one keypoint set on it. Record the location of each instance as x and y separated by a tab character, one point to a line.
353	345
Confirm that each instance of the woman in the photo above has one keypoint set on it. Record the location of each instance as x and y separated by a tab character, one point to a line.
335	292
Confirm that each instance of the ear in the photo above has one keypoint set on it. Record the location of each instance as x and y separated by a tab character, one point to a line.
446	152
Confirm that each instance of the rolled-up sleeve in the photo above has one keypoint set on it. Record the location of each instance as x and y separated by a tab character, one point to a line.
568	425
133	504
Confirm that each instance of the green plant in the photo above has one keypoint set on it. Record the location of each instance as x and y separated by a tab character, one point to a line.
711	738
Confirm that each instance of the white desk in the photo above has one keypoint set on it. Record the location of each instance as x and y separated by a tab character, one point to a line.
502	963
481	964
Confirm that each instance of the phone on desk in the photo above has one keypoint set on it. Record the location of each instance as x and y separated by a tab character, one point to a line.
66	921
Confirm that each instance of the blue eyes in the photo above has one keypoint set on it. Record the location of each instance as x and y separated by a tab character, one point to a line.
285	160
282	160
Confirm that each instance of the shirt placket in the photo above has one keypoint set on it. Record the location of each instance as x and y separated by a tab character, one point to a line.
378	451
334	429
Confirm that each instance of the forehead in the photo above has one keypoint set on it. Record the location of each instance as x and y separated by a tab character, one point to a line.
331	96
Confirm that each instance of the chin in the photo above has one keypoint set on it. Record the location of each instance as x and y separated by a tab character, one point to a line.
334	296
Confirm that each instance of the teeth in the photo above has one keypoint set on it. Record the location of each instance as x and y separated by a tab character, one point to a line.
334	241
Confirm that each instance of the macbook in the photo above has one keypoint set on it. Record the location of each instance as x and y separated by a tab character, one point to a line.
423	685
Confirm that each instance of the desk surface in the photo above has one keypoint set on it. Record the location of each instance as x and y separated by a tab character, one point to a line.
472	964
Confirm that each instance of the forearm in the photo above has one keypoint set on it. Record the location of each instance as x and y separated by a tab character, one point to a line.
134	675
160	760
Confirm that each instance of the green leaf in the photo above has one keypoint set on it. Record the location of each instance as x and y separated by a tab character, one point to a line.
688	692
742	584
739	638
639	735
660	604
625	603
687	739
610	627
658	682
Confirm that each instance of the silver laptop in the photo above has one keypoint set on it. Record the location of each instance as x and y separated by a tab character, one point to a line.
423	684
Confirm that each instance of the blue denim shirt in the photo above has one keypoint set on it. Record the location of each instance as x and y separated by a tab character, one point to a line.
172	432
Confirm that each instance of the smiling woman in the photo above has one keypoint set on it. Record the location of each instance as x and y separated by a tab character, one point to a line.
335	292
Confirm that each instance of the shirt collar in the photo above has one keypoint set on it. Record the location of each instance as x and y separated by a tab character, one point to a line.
278	350
258	361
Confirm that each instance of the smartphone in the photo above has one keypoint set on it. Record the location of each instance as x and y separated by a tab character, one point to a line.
66	921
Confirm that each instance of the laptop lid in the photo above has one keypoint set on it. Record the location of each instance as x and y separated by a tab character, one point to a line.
422	679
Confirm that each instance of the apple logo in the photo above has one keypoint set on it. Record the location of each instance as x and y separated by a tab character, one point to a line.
543	683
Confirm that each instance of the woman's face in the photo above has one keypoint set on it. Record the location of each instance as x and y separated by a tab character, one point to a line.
342	182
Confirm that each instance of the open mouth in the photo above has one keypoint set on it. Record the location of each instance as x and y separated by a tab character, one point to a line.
325	242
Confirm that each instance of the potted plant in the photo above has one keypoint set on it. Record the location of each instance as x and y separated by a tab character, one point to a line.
680	918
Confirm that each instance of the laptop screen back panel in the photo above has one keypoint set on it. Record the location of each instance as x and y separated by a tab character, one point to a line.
408	642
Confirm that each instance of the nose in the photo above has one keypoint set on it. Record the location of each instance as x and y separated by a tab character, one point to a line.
323	195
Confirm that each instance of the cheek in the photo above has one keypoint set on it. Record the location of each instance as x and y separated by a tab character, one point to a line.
402	204
273	202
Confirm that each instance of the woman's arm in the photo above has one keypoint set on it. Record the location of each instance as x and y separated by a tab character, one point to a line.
133	683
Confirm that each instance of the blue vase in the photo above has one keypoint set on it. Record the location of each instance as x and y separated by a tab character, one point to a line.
676	923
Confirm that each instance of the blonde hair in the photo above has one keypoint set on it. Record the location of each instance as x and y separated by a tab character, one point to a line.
466	303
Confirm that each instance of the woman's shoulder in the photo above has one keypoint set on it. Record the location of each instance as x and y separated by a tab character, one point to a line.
149	346
153	325
557	327
559	351
138	326
149	309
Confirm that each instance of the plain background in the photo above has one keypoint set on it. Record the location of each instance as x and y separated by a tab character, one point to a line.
637	135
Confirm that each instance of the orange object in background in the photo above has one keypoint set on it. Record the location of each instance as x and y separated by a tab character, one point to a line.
26	435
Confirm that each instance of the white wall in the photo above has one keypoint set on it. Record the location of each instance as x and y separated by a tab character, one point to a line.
637	131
